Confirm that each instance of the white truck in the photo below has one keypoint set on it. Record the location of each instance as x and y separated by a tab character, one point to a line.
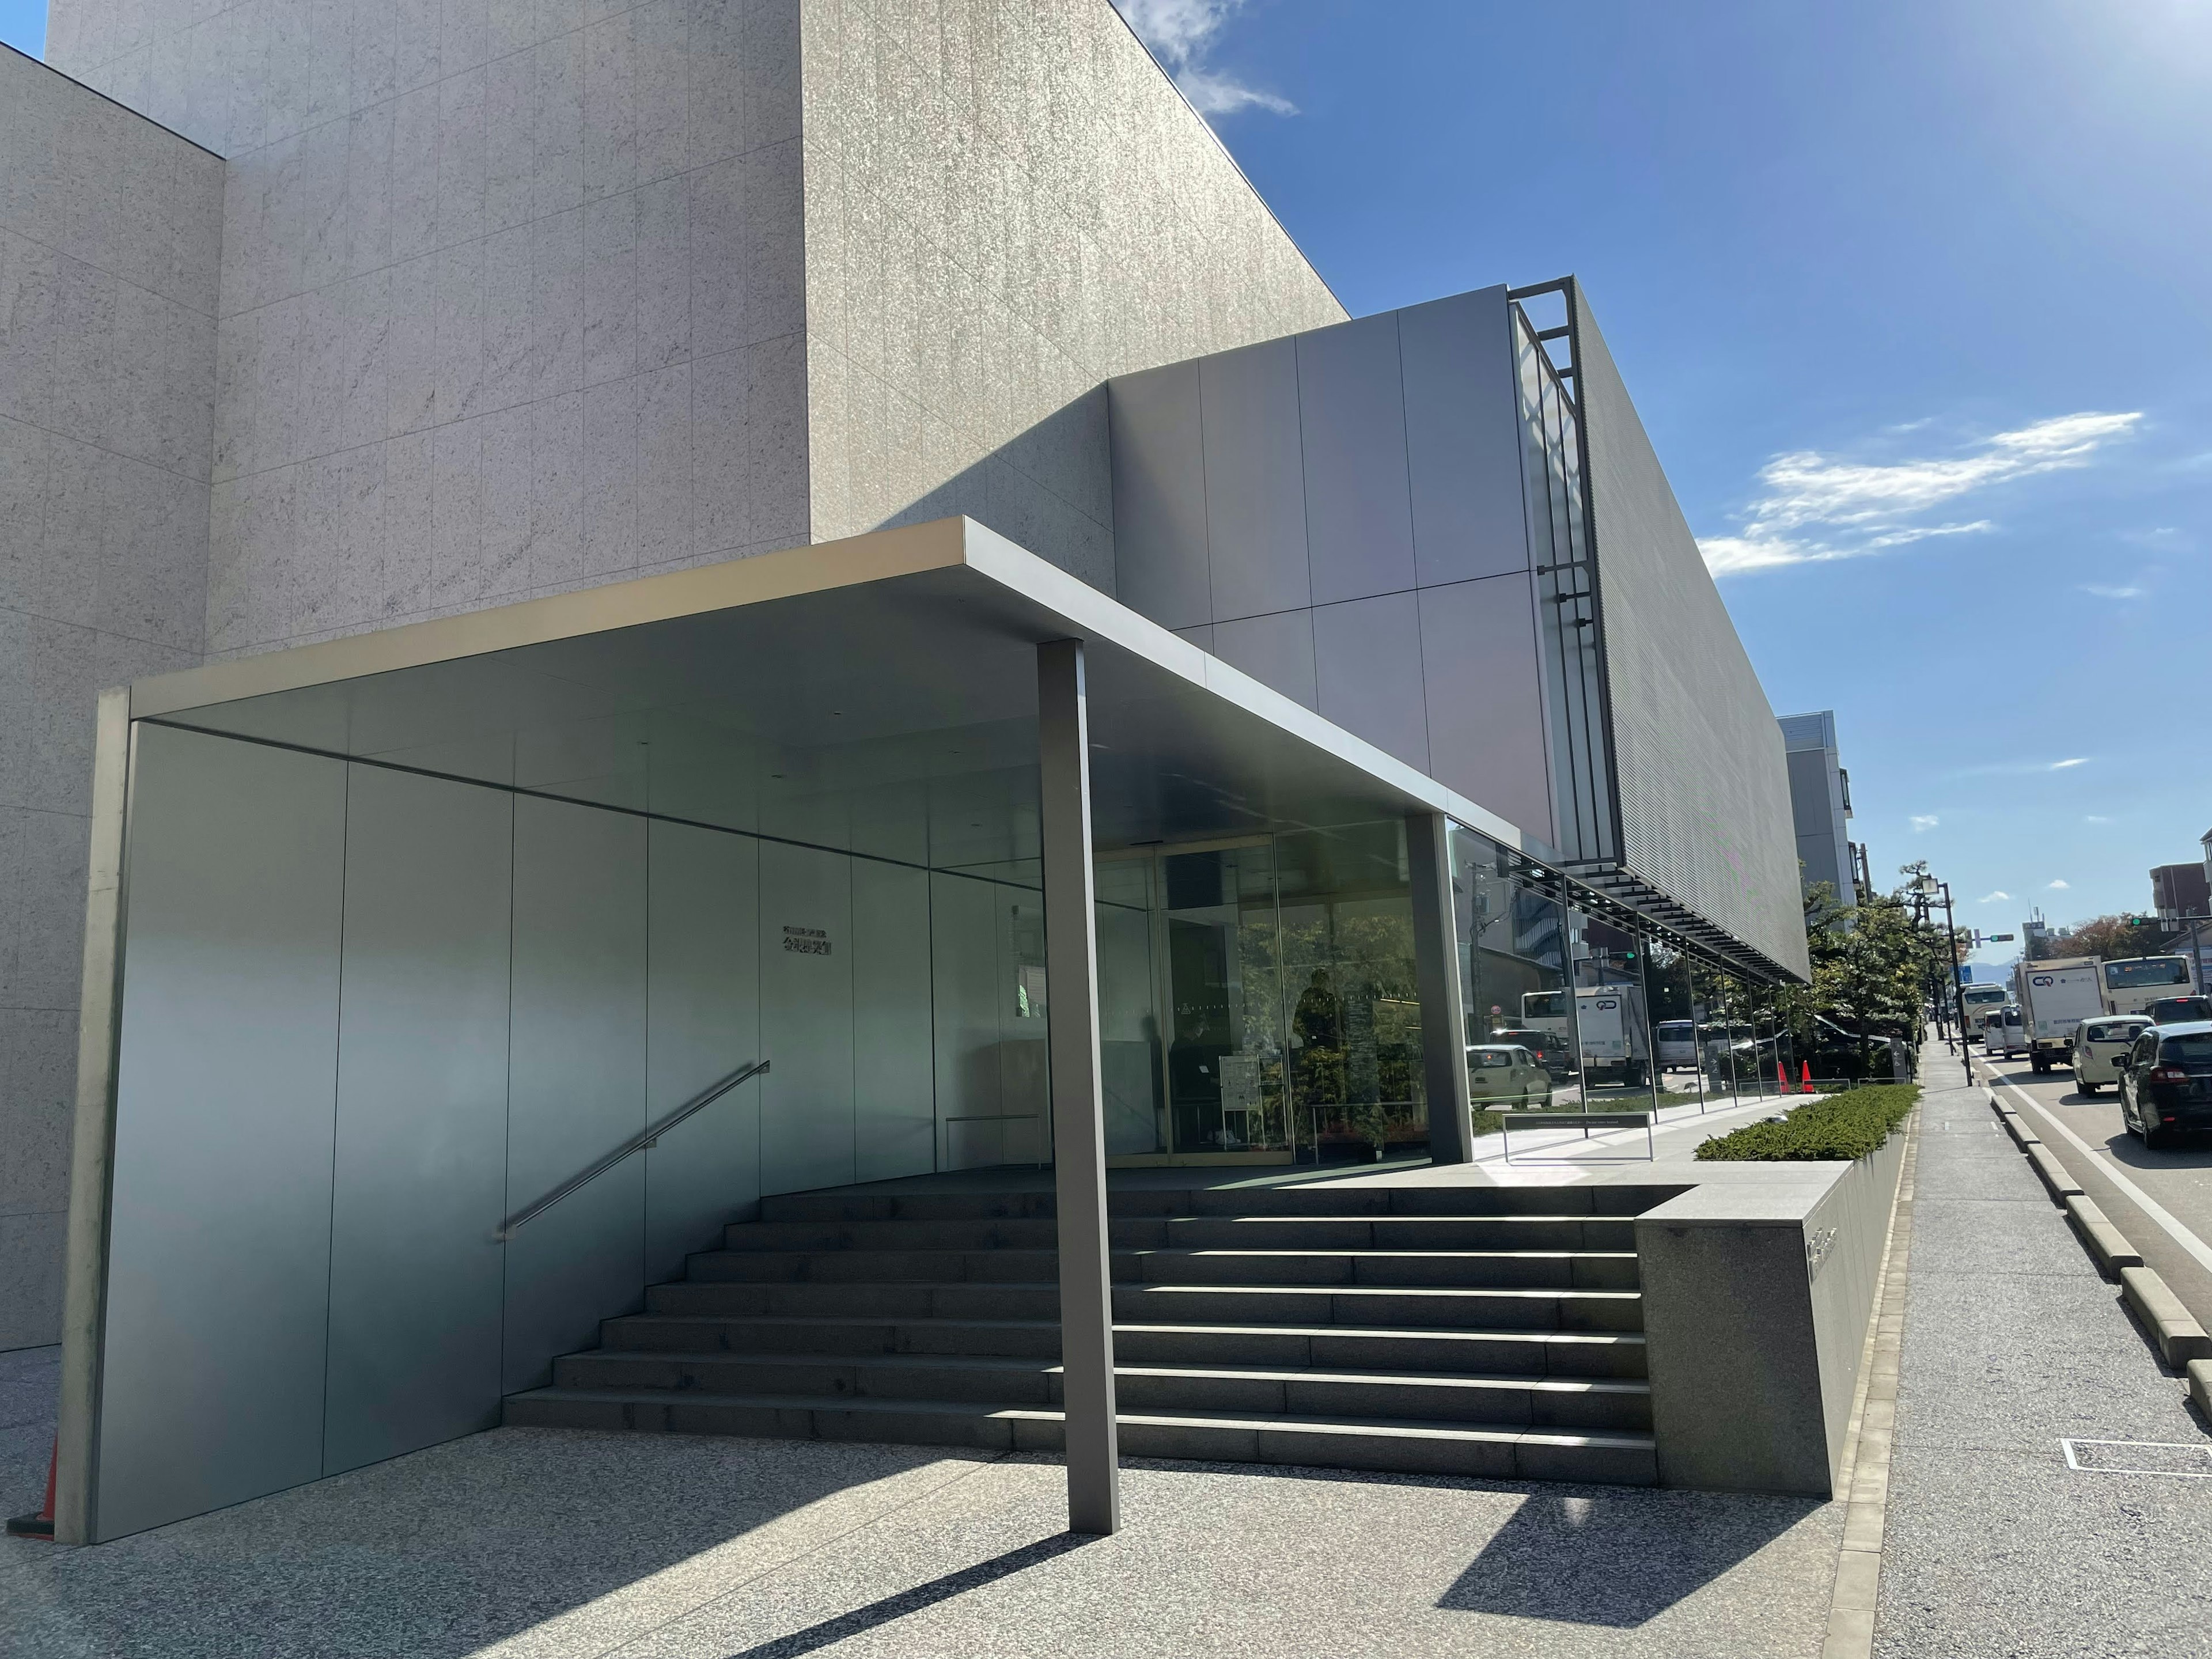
2055	996
1616	1036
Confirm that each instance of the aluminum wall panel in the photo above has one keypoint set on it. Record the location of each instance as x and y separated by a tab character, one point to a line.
1367	670
806	1018
226	1095
1704	792
1485	699
1159	495
1256	505
421	1181
893	1084
702	1022
1352	417
1462	442
576	1077
1278	650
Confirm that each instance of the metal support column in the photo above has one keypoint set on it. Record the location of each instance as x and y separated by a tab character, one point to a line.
1078	1127
1436	974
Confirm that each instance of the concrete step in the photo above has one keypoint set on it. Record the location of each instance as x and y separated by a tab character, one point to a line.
1567	1354
1320	1198
1501	1451
1558	1269
1534	1231
1548	1402
1386	1306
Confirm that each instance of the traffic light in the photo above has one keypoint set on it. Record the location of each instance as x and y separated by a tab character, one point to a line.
2139	921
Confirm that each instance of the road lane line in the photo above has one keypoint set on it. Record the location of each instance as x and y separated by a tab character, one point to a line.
2141	1199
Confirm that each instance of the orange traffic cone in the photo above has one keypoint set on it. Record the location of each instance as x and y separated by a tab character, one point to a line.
1781	1078
40	1525
1808	1065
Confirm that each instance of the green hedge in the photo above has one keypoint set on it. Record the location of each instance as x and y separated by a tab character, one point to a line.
1840	1128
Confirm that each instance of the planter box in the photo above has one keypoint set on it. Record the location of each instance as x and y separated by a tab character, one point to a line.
1758	1288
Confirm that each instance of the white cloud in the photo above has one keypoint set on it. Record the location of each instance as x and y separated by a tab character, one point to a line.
2129	593
2060	886
2092	817
1991	898
1924	821
2078	760
1817	508
1180	34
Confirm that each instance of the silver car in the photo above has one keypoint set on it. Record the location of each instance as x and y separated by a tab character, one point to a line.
2100	1049
1504	1074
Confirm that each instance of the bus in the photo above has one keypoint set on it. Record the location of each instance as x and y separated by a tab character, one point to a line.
1975	1000
2133	983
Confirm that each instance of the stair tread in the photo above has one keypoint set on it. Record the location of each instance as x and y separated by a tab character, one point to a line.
1236	1252
1412	1332
1380	1427
985	1363
985	1285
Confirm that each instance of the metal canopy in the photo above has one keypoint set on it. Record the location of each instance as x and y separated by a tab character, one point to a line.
877	694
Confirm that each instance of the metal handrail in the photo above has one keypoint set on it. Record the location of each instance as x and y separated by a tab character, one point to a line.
637	1143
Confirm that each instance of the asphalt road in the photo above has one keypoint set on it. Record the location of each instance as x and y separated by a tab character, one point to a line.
2125	1179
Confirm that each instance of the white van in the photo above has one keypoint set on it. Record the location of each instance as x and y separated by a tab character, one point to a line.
1677	1043
2003	1032
1975	1000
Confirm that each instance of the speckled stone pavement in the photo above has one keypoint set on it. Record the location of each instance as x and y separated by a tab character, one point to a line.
531	1542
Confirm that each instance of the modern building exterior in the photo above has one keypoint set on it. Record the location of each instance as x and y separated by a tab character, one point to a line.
2179	891
1820	803
583	514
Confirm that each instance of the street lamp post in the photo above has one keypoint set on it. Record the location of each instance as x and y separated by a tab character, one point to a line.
1928	887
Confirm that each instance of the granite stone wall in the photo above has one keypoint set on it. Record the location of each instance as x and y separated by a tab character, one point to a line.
512	297
1007	203
109	234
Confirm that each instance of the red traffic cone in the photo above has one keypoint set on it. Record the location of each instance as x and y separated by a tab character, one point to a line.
1781	1078
1808	1065
40	1525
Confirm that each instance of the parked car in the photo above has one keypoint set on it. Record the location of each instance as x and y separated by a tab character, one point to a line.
1549	1048
2165	1087
2100	1049
2176	1011
1506	1074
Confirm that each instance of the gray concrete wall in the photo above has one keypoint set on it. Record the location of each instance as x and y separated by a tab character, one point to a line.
1758	1288
1703	791
512	293
1338	515
109	237
1005	205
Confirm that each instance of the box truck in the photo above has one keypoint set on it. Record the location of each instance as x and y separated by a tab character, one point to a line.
2055	996
1616	1036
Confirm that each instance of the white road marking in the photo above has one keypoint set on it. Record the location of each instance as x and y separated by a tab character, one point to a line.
2083	1459
2142	1200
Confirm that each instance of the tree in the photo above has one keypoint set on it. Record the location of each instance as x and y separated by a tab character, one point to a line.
2100	936
1871	963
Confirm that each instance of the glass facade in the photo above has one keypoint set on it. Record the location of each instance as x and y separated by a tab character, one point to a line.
1257	998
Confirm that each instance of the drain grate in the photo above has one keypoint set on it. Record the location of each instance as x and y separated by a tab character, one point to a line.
2191	1460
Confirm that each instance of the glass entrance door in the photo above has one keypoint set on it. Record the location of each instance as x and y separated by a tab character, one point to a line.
1219	948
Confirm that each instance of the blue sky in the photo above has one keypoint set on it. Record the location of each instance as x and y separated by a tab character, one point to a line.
1912	299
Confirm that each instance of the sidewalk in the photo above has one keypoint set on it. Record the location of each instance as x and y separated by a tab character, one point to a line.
2013	1342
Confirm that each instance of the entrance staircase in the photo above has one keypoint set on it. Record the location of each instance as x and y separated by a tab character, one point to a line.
1474	1331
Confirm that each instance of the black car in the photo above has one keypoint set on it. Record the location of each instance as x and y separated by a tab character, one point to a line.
2166	1085
1549	1048
2174	1011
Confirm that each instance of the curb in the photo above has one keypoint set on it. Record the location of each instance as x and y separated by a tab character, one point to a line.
2105	1242
2200	1385
2180	1339
2061	1185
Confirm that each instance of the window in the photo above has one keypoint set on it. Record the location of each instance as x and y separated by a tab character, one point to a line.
2192	1050
2145	970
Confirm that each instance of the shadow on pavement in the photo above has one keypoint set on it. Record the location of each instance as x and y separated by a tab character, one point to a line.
1617	1560
2192	1154
877	1614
